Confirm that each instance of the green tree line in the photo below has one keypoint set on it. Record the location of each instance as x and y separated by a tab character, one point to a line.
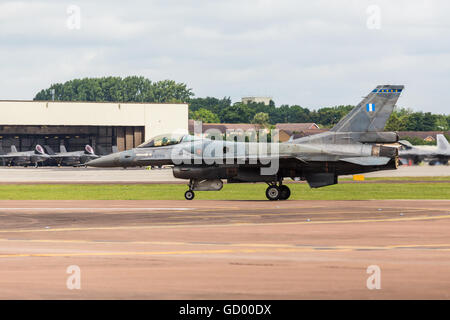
222	110
117	89
211	109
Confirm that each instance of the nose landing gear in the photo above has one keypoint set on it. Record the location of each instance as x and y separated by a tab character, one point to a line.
189	195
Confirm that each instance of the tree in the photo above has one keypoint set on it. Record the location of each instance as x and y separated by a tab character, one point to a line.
117	89
237	113
204	115
441	122
261	118
330	116
209	103
397	121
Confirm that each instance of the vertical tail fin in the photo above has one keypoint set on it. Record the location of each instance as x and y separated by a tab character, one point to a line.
372	113
39	149
49	150
13	149
442	143
89	150
62	149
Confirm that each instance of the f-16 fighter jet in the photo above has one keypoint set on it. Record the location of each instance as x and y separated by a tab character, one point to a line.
354	145
73	158
440	153
25	158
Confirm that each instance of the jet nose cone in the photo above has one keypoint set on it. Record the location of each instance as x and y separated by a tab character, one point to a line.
110	160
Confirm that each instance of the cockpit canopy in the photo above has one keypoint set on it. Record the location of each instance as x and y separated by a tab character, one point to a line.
166	140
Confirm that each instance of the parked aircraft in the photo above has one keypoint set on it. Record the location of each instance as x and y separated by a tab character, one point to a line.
431	154
354	145
25	158
73	158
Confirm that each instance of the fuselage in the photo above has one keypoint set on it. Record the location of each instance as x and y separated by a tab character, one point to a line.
206	159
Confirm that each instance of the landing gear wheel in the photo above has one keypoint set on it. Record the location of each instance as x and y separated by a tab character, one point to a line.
189	195
273	193
285	192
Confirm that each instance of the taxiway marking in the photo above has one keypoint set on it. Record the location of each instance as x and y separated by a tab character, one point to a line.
225	244
217	251
237	224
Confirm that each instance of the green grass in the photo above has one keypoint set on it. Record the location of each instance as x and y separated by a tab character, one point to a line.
444	178
353	191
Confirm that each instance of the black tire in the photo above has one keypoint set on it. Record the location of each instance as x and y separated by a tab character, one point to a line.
273	193
189	195
285	192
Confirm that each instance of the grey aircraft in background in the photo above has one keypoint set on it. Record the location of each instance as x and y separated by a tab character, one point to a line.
431	154
25	158
354	145
73	158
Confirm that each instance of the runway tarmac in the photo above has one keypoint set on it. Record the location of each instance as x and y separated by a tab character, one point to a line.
225	249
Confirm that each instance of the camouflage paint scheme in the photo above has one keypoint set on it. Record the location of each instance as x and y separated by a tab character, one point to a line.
354	145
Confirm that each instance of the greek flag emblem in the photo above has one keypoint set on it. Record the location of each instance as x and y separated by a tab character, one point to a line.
370	107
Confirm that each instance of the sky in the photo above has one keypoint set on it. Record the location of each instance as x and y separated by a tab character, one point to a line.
310	53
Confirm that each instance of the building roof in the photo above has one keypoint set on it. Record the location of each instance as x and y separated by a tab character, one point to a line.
223	127
420	134
287	127
297	127
305	133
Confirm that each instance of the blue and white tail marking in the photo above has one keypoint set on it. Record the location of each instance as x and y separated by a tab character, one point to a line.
370	107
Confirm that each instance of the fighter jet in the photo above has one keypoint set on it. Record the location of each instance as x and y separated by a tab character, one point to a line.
354	145
73	158
431	154
25	158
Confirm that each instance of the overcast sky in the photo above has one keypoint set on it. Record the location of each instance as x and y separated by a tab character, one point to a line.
311	53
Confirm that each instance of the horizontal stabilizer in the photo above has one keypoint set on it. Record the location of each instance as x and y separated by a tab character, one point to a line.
406	143
368	161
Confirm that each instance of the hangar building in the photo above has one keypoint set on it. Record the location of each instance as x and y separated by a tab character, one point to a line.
75	124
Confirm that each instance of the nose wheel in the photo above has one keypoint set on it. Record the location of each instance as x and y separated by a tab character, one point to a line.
189	195
281	192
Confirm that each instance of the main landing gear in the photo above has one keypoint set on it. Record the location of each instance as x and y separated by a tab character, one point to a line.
278	192
275	191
